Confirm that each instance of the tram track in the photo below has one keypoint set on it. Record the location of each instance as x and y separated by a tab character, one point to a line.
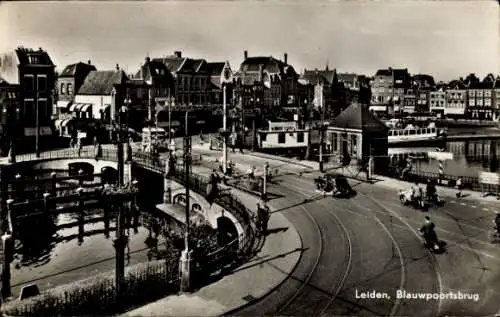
348	259
394	310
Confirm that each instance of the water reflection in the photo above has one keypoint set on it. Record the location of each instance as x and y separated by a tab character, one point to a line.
469	157
57	250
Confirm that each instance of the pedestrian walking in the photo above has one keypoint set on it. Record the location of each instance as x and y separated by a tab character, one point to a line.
459	187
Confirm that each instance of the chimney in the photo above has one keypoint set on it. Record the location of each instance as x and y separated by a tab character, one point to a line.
178	54
117	67
285	58
148	59
245	54
89	62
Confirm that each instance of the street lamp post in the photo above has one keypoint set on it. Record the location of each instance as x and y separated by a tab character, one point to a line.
321	138
185	261
225	132
254	132
37	124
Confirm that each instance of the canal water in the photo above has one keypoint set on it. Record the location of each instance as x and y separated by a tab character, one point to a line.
469	157
49	253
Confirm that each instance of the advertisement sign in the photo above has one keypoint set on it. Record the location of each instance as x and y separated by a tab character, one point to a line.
440	156
489	178
32	131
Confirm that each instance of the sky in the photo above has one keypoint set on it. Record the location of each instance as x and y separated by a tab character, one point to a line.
447	39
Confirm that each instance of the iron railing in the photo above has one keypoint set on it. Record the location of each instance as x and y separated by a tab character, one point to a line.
197	183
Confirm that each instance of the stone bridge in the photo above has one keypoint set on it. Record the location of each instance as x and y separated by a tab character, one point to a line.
63	159
200	205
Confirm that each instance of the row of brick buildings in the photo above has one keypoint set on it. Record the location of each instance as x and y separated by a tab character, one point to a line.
396	91
81	98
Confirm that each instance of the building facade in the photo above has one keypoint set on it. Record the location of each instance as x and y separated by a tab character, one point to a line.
9	114
422	84
409	101
437	101
456	99
155	74
388	90
34	72
192	79
277	78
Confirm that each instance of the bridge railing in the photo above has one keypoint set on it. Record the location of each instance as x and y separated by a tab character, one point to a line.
197	183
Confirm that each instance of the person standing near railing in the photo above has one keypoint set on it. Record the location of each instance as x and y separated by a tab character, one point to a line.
263	215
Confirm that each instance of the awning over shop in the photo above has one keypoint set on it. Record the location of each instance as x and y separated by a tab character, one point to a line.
66	122
60	123
63	103
73	107
86	107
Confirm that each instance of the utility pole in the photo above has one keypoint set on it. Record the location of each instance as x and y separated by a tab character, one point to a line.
225	132
37	123
185	261
321	138
254	132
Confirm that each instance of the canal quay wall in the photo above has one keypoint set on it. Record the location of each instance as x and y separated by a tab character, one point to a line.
212	213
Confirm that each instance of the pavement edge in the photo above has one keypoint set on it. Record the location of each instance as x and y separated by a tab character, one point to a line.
300	245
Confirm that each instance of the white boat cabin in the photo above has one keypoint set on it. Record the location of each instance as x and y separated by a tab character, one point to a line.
412	133
282	135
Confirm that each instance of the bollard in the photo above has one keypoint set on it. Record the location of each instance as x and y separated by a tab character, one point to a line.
8	256
80	177
53	175
106	208
81	214
264	183
18	188
10	215
46	203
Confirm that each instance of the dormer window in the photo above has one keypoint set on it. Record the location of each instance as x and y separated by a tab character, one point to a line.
63	89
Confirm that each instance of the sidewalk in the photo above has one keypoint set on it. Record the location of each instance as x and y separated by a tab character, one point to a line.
379	180
254	280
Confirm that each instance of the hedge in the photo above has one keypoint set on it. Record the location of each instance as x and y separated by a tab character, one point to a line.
93	296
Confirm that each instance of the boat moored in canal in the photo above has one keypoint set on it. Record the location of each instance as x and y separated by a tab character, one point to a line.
413	134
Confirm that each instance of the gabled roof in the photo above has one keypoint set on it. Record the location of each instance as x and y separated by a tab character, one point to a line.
154	68
215	69
102	82
456	84
358	116
29	56
347	77
322	76
73	69
173	63
383	72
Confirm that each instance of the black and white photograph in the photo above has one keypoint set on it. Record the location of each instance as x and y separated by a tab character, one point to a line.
250	158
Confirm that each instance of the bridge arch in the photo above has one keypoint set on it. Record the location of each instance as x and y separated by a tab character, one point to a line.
227	231
109	175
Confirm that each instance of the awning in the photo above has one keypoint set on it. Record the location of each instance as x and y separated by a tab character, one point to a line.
65	122
73	106
63	104
79	106
85	107
58	122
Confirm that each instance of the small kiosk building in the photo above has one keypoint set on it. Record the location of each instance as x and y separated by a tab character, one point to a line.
358	134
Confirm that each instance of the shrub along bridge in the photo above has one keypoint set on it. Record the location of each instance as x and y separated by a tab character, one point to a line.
46	196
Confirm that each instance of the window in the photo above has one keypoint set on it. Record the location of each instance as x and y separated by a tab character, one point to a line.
43	111
70	89
41	82
281	137
29	84
335	142
63	89
300	137
263	136
354	145
29	112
